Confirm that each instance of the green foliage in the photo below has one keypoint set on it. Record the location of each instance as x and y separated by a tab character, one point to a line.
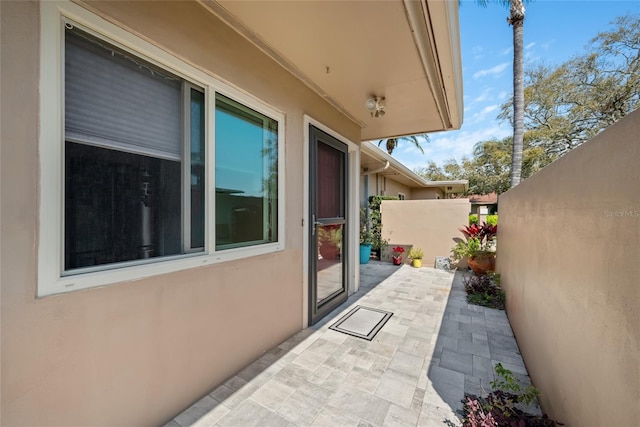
473	219
375	218
416	253
565	105
478	239
499	408
492	219
365	233
569	104
392	143
508	382
330	234
466	248
485	291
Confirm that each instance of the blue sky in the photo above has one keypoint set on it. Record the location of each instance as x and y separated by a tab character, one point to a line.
554	31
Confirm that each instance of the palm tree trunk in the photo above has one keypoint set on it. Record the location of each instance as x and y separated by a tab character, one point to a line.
516	19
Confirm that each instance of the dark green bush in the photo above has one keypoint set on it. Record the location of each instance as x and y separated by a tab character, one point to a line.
485	290
376	220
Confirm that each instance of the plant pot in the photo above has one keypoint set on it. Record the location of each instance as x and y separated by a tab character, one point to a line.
397	259
482	262
365	253
329	251
417	263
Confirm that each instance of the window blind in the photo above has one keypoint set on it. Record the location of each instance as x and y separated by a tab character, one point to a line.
115	100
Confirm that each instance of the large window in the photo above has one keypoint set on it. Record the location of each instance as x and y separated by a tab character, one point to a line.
129	135
126	151
246	176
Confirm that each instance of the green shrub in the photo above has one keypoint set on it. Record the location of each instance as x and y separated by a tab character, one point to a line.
485	290
500	407
473	219
492	219
376	221
416	253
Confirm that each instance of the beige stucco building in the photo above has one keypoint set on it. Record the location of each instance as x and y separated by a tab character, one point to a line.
169	170
383	175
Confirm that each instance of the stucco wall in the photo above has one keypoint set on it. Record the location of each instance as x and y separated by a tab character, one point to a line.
391	188
429	224
568	256
426	193
380	185
137	353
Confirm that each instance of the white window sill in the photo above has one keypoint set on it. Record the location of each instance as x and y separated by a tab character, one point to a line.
74	282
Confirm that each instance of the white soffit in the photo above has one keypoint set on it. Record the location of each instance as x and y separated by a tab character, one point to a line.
348	50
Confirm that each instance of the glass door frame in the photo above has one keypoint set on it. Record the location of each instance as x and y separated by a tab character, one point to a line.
318	311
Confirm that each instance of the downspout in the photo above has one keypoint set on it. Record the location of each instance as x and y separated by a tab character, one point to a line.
382	169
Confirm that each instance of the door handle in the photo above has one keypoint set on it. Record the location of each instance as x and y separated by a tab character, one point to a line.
314	224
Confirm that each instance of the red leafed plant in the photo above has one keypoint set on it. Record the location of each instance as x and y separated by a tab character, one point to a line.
398	250
484	233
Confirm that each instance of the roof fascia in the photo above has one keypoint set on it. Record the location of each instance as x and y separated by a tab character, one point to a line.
369	148
424	38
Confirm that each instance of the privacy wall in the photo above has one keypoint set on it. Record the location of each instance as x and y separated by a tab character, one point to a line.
428	224
568	256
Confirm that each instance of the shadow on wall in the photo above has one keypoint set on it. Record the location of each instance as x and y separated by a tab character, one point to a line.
569	265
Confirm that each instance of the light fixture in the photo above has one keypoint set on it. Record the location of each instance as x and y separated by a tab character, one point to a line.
375	105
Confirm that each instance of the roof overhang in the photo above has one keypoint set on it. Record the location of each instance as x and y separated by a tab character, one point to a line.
407	51
373	158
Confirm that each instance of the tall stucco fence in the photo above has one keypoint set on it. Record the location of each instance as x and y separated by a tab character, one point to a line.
428	224
569	260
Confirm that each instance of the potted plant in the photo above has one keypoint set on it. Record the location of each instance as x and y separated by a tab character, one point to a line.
366	238
397	255
416	254
478	248
329	241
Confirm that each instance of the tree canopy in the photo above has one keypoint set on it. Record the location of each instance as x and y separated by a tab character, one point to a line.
565	105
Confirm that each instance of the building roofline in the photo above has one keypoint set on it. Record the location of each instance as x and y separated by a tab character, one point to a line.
371	149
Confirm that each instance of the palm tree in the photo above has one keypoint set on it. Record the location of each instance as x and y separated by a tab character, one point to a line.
392	143
516	20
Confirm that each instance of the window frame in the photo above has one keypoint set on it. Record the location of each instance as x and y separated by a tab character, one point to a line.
266	200
52	279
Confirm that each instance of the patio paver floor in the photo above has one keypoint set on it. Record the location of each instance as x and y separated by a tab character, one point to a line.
415	372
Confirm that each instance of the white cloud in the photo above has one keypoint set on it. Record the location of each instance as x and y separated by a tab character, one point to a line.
530	45
495	71
547	45
483	114
483	96
477	52
488	94
489	108
507	51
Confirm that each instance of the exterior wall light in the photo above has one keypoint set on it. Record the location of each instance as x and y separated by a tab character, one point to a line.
375	105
